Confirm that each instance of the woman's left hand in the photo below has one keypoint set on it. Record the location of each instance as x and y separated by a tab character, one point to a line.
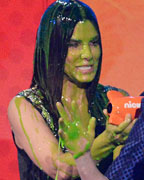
75	136
119	133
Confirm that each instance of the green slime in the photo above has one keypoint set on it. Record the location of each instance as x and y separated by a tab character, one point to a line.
18	103
73	132
84	50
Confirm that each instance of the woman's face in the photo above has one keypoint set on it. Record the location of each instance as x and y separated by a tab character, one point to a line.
83	53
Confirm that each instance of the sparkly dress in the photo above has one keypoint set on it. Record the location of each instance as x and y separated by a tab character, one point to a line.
28	170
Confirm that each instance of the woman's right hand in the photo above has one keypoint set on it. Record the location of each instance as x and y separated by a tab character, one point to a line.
74	135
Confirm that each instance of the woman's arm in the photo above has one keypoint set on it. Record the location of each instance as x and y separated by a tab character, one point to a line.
87	169
36	139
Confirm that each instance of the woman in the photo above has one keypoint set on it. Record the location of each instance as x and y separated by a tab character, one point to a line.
67	65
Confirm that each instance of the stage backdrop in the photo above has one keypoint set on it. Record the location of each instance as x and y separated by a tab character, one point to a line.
122	30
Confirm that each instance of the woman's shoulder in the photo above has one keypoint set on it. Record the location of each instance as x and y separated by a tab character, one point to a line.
33	99
30	98
16	102
17	107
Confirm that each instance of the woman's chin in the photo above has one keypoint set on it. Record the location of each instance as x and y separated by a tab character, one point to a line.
87	78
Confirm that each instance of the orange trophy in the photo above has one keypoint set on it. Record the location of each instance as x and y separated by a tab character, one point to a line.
120	105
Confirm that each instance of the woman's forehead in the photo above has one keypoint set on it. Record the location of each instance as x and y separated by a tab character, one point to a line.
84	30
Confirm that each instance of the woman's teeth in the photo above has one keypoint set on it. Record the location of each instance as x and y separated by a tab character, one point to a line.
85	67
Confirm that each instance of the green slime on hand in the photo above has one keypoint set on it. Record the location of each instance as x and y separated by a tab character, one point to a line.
73	135
18	103
73	132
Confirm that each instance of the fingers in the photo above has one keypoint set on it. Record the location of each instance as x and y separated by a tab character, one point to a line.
128	117
62	135
118	129
70	111
125	124
67	107
133	122
105	112
91	126
128	129
120	133
62	128
62	124
62	111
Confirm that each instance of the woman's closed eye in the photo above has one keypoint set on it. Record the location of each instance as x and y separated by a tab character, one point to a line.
74	43
94	43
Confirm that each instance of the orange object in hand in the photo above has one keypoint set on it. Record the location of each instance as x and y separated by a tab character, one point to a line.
120	105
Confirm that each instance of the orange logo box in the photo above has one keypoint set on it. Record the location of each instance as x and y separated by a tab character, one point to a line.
120	105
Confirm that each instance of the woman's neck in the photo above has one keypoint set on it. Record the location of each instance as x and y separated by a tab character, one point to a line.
72	92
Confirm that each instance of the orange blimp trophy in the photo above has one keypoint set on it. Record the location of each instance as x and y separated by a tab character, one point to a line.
120	105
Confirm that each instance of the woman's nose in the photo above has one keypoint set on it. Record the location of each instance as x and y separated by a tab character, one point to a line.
86	52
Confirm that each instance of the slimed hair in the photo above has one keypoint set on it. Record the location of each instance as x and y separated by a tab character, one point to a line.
54	33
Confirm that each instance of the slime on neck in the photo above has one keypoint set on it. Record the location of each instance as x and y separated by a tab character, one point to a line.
18	103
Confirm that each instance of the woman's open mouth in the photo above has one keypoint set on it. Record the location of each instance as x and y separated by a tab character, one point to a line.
86	69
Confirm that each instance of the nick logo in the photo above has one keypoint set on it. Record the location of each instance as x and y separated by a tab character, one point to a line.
132	105
120	105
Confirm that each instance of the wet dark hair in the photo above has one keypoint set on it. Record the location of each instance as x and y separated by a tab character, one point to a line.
54	33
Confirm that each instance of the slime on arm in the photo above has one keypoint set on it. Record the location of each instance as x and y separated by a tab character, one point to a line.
35	115
18	103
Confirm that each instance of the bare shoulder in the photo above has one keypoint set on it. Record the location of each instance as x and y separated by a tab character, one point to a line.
15	109
26	122
15	104
18	108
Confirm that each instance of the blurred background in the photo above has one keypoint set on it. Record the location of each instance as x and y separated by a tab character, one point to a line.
122	30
